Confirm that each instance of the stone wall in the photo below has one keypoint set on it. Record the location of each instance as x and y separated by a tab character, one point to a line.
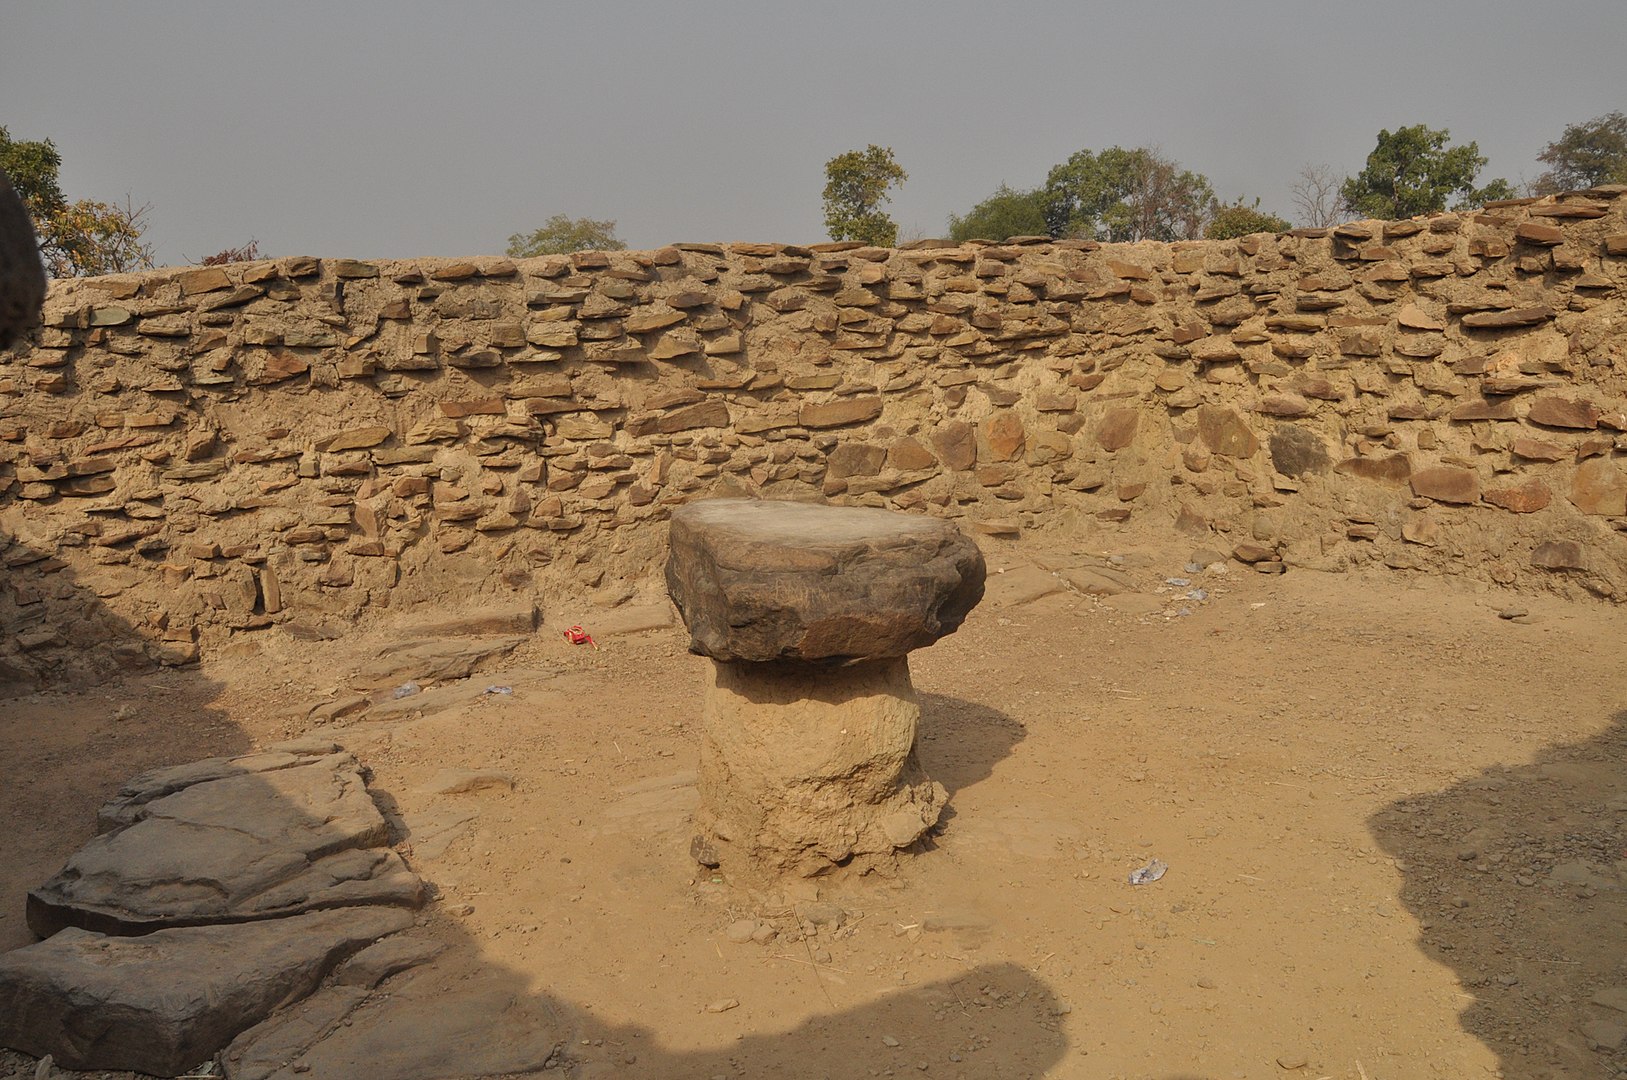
209	451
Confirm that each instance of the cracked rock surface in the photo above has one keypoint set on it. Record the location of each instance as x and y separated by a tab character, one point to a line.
229	841
218	892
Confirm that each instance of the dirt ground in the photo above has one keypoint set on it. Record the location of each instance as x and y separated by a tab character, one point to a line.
1395	822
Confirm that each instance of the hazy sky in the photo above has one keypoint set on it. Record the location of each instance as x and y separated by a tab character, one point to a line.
400	129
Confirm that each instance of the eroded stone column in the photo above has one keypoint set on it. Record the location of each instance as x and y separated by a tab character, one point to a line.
806	767
808	613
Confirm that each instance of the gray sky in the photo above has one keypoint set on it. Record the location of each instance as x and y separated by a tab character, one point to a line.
399	129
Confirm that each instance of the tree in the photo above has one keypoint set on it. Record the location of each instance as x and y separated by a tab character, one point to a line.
1001	216
856	185
1585	155
561	235
1241	219
1414	171
78	238
1316	197
90	238
248	252
1121	195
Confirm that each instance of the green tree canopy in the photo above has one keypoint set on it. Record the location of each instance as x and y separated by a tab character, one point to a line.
1004	214
1413	170
856	185
32	166
1241	219
1121	194
78	238
1586	154
561	235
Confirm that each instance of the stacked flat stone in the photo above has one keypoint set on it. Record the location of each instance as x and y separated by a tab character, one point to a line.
213	894
809	613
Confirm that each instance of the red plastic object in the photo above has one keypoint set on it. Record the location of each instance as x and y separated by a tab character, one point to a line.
577	636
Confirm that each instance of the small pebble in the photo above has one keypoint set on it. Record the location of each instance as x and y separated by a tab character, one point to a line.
723	1005
1292	1061
888	1040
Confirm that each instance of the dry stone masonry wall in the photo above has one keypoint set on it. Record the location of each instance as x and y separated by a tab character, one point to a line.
207	451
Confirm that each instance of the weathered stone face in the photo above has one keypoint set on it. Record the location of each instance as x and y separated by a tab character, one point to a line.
22	275
164	1002
758	580
218	842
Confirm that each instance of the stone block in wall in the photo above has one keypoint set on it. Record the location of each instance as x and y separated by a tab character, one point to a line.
772	418
1420	346
1539	450
1532	232
1117	428
1564	413
1598	487
956	444
703	414
1526	498
1298	451
1559	555
1216	350
1226	432
357	438
1446	483
853	410
278	366
1001	437
1532	315
854	459
1483	409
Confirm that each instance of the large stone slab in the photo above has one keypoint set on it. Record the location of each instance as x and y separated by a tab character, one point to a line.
166	1002
135	793
457	1018
758	580
235	841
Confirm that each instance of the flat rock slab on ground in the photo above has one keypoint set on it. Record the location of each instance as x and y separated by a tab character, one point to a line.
235	844
435	659
165	1002
461	1017
135	793
758	580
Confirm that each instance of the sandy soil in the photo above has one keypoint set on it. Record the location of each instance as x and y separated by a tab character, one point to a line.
1395	824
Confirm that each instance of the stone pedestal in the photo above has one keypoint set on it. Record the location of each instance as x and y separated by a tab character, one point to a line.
808	613
806	767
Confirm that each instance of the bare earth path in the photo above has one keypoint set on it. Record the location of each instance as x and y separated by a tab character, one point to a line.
1396	826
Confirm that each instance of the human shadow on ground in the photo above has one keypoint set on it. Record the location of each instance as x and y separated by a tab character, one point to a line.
996	1020
459	1014
960	742
461	1018
1518	878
